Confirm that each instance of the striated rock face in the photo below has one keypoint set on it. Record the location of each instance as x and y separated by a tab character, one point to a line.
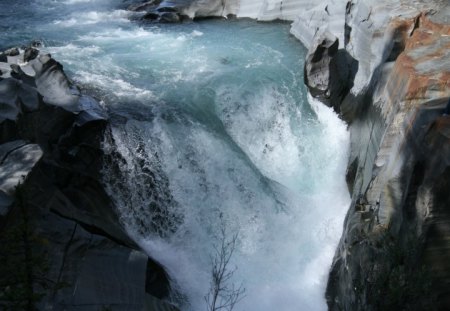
80	257
394	249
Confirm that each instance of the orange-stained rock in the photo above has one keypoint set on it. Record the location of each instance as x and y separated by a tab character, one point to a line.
396	254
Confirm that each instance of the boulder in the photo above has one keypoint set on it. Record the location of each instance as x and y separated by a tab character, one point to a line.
30	54
326	71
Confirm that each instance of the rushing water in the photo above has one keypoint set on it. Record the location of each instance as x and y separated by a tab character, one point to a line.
213	131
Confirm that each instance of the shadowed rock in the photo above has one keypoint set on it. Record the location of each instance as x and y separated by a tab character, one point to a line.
328	71
50	142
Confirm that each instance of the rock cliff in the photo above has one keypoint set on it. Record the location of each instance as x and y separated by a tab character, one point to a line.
393	252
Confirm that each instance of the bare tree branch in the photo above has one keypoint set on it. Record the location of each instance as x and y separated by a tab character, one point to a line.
223	295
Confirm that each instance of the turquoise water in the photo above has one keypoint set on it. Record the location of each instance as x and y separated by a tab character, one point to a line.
215	131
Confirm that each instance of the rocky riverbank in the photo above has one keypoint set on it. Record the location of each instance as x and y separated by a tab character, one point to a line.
63	247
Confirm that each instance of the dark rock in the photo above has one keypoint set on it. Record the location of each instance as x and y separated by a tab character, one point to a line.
19	74
145	6
157	281
327	73
36	43
8	131
8	99
151	16
91	111
12	52
317	67
167	9
30	53
3	58
59	134
169	17
82	271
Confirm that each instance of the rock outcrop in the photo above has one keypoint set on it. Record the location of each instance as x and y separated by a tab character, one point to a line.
329	71
56	219
394	250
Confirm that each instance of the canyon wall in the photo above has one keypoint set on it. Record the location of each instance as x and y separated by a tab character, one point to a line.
394	250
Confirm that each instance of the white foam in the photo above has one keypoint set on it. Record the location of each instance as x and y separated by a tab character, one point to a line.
286	241
71	48
273	173
197	33
115	85
94	17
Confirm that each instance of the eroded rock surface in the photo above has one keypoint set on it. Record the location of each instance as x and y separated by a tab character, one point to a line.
392	252
328	70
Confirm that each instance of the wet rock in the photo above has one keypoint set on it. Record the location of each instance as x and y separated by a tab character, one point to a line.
12	52
53	84
169	17
167	9
17	159
51	137
145	6
151	16
327	70
19	74
30	54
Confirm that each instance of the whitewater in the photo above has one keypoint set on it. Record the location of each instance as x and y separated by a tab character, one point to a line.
211	130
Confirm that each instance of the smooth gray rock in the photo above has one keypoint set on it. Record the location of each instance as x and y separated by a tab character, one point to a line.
91	111
53	84
17	159
16	165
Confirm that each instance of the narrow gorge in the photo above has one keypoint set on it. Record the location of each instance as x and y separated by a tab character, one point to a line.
311	140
